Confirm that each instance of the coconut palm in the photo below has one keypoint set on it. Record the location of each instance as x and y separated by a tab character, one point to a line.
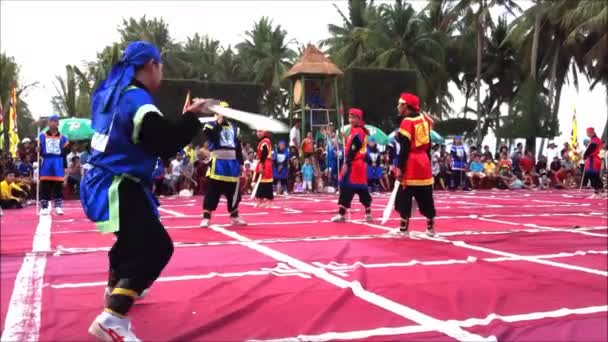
73	93
349	44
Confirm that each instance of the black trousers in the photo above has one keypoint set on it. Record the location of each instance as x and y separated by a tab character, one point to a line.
10	204
423	196
347	194
215	189
596	181
265	191
51	190
143	246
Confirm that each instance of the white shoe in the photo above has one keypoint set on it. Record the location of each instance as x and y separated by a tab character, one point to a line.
110	328
237	221
44	211
58	211
204	223
338	218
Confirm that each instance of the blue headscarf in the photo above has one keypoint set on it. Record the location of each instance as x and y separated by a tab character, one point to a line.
106	96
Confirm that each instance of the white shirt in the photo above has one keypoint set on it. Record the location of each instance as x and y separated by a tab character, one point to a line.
294	134
176	167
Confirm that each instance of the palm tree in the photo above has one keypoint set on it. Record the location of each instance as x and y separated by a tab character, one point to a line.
482	20
73	93
270	56
196	59
408	42
349	44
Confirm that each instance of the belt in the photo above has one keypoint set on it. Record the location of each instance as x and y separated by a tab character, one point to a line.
224	154
89	166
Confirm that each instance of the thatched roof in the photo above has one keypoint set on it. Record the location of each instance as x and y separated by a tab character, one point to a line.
313	62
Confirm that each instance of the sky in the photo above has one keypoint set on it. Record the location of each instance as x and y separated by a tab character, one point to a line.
57	33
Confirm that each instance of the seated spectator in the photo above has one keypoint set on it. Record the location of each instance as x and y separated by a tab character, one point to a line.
504	165
544	181
11	194
74	174
489	169
475	171
26	168
515	182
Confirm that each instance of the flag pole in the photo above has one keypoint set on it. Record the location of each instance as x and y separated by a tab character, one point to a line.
37	170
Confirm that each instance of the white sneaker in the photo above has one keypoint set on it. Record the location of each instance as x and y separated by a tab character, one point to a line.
237	221
58	211
44	211
204	223
110	328
338	218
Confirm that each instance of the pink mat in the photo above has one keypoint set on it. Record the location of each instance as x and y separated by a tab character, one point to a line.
256	284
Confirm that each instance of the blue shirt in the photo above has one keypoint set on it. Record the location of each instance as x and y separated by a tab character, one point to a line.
476	167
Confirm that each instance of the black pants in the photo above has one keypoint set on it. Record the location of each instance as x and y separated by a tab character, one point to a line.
347	194
51	190
423	196
596	181
215	189
457	179
264	191
143	246
10	204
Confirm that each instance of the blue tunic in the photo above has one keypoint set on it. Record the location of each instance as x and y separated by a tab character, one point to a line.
226	170
116	155
280	158
51	148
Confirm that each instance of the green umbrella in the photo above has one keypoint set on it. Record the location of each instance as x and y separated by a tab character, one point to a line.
75	128
375	133
435	137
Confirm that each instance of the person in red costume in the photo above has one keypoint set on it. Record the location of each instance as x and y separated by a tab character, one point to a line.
264	169
593	162
353	178
414	167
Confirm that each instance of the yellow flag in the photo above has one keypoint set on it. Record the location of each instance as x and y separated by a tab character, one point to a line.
574	140
13	130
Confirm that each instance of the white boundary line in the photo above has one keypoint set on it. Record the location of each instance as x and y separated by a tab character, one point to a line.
532	225
498	252
22	321
282	269
361	334
447	328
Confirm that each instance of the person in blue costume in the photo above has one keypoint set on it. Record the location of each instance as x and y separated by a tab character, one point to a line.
116	193
280	166
54	147
224	168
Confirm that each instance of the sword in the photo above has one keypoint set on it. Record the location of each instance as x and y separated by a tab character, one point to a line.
254	121
391	203
255	187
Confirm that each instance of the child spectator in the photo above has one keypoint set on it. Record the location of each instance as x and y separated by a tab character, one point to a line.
11	194
307	173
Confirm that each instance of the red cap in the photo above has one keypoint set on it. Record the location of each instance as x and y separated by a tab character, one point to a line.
356	112
590	130
410	100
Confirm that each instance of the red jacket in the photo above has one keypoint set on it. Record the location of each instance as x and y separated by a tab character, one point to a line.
356	172
593	162
263	144
417	170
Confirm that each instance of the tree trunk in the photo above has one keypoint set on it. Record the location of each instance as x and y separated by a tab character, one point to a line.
552	77
478	74
531	138
605	134
467	93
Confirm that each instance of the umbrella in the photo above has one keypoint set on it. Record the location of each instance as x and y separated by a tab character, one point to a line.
435	137
75	128
376	133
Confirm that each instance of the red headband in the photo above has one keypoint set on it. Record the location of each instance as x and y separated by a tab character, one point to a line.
590	130
410	100
356	112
